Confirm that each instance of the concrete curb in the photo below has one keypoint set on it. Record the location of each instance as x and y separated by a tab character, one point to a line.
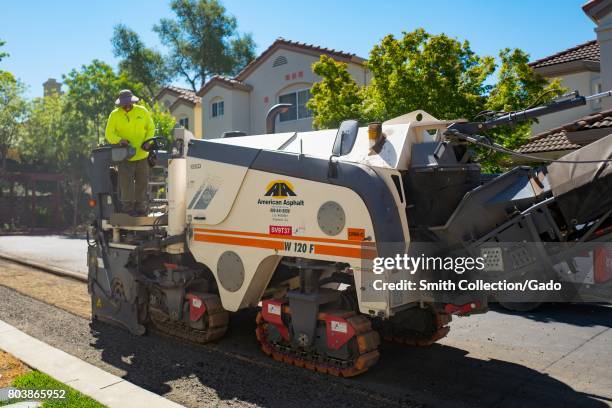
47	268
106	388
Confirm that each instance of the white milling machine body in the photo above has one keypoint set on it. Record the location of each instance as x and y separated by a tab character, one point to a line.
253	200
290	223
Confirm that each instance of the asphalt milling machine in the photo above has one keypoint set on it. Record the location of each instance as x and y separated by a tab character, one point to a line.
289	223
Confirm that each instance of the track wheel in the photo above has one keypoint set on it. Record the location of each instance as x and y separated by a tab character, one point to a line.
415	327
211	323
345	343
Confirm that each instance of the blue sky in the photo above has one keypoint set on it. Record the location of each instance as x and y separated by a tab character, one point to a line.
49	38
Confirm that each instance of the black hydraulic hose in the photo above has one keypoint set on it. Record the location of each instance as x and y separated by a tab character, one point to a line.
501	149
513	118
467	130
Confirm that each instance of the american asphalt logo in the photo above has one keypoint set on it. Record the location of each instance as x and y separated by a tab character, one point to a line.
279	192
280	189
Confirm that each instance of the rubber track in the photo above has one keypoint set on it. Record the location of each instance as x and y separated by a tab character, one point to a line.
367	342
217	322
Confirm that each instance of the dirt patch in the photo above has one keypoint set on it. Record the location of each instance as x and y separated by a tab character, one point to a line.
65	293
10	368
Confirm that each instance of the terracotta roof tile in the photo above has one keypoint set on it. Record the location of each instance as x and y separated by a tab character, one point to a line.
589	51
237	81
556	139
552	142
184	93
231	82
281	42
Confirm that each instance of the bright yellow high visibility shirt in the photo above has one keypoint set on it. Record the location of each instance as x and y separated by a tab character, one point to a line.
135	126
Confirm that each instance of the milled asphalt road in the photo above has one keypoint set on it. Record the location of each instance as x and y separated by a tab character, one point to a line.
559	355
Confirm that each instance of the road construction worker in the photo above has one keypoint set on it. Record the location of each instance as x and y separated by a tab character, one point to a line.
130	125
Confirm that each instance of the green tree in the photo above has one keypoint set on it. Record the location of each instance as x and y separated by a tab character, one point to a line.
74	147
139	63
12	112
164	121
204	41
2	53
337	96
91	95
434	73
42	132
40	142
58	138
517	87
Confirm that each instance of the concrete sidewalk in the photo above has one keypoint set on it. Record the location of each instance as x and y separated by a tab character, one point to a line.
104	387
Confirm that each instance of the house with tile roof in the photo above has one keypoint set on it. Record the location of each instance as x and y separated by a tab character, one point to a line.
282	73
185	106
578	68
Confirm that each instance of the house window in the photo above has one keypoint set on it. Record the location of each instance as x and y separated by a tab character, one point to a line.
217	109
298	109
184	123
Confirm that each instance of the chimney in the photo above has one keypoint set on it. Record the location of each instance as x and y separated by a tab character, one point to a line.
52	87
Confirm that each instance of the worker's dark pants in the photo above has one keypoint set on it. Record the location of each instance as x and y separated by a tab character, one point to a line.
133	181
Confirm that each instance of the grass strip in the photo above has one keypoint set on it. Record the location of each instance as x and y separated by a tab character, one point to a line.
35	380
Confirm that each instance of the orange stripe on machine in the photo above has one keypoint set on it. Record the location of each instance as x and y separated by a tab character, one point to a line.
363	253
293	237
331	250
250	242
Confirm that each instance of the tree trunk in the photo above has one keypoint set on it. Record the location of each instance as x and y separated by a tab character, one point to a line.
4	152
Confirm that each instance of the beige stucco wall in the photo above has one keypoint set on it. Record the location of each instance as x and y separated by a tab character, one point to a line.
246	111
236	111
184	110
585	82
166	100
271	82
241	114
361	75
